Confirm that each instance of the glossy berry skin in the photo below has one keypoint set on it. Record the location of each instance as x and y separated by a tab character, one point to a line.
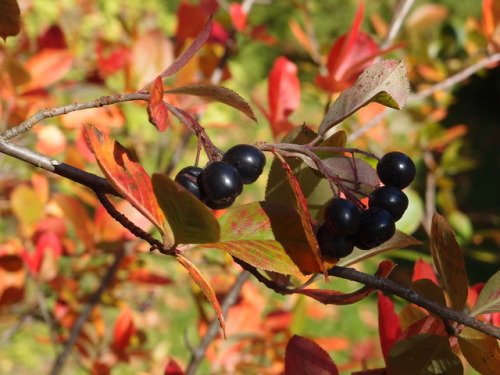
221	182
377	226
342	217
396	169
188	178
219	206
332	246
390	199
248	160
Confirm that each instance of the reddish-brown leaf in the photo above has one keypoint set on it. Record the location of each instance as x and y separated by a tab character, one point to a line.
12	276
388	324
205	287
10	18
449	261
126	175
304	356
173	368
124	330
428	324
157	112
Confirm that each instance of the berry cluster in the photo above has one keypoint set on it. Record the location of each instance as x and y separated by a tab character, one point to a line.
220	182
347	226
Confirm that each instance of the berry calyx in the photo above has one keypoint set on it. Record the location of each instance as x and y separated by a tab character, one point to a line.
377	226
342	217
396	169
390	199
221	182
248	160
331	246
188	178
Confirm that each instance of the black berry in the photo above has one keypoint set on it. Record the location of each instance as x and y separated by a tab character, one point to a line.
188	178
221	182
390	199
248	160
342	217
332	246
377	226
219	206
396	169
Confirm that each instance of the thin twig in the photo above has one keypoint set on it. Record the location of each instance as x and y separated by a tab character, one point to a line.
84	315
213	328
400	12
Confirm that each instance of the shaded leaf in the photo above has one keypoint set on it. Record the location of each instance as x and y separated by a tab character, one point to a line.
190	220
173	368
449	261
388	324
205	287
427	324
12	277
333	297
384	82
363	174
337	139
123	331
489	298
398	241
304	356
430	290
126	175
480	350
10	18
157	112
425	354
188	53
217	93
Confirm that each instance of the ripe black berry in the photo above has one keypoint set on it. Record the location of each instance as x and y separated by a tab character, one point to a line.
396	169
221	182
332	246
342	217
390	199
248	160
188	178
377	226
219	206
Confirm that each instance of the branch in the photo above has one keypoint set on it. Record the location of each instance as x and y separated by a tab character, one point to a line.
213	328
401	10
84	315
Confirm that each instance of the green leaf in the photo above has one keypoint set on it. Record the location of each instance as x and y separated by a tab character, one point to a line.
10	23
268	236
191	221
425	354
217	93
385	83
449	261
412	218
480	350
489	298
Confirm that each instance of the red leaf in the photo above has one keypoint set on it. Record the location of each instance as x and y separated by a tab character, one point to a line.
205	287
47	67
124	330
145	277
111	61
173	368
304	356
158	113
188	53
428	324
424	270
333	297
388	324
53	38
126	175
283	94
238	16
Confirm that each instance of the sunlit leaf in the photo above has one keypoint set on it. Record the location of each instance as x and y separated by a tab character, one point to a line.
205	287
47	67
126	175
449	261
480	350
238	16
425	354
304	356
384	82
388	324
158	113
423	270
217	93
10	23
146	277
489	298
26	206
124	330
190	220
268	236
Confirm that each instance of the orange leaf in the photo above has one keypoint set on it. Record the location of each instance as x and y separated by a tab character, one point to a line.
158	113
126	175
238	16
47	67
124	330
480	350
205	287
